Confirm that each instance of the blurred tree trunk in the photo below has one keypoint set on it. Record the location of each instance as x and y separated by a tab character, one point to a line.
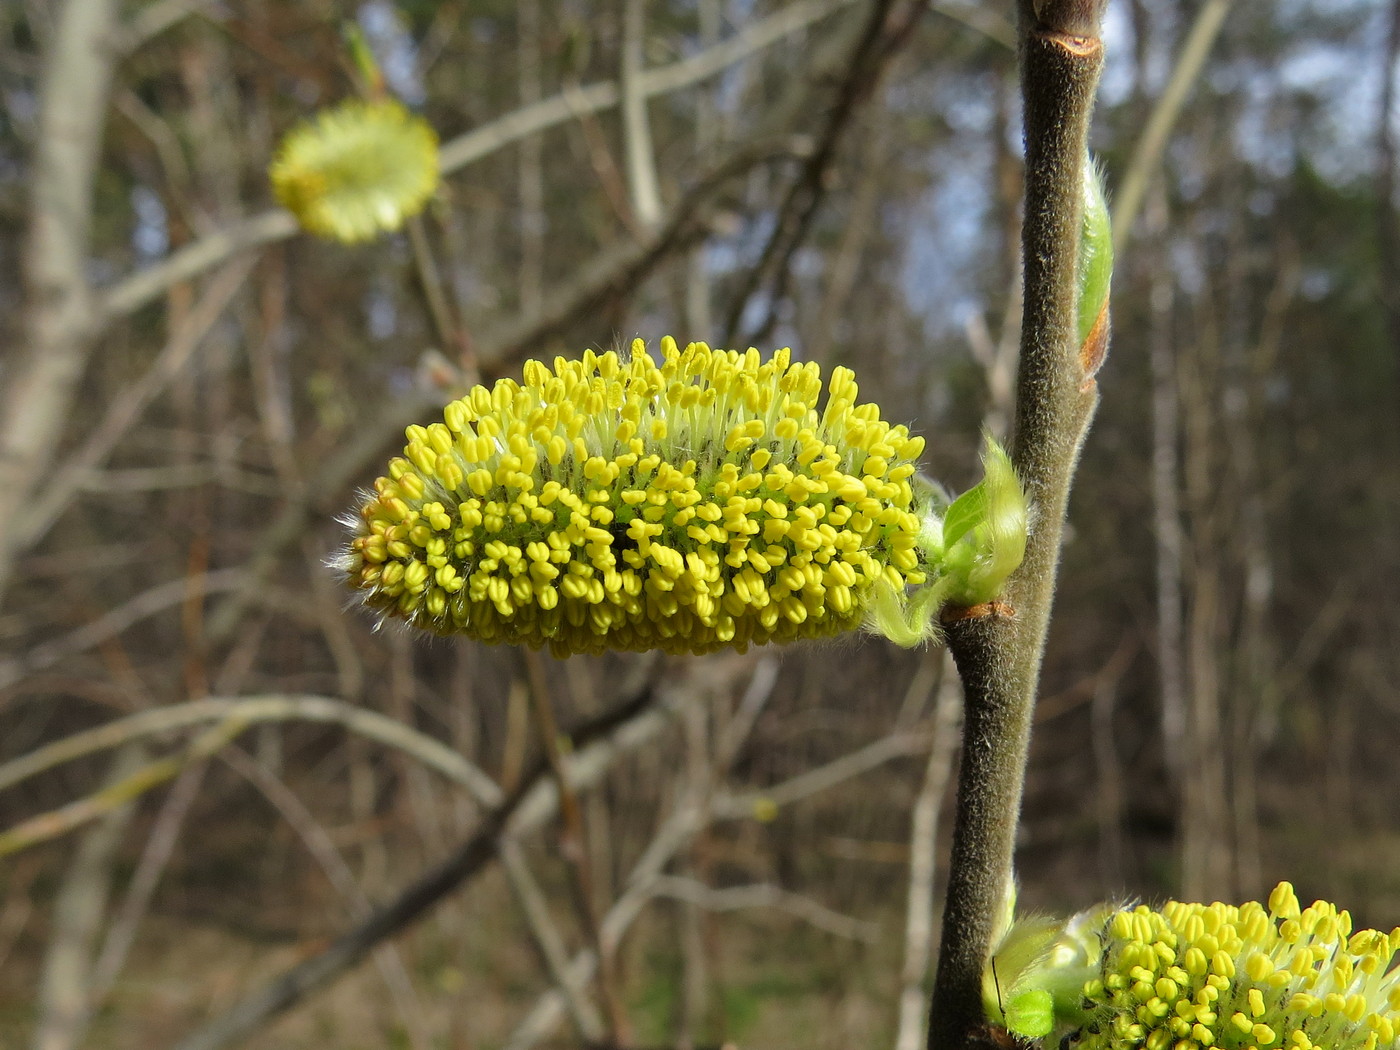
58	317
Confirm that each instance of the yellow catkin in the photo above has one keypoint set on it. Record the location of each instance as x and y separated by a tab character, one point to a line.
1260	975
359	169
703	500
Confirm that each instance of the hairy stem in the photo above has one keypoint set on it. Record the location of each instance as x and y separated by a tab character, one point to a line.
998	646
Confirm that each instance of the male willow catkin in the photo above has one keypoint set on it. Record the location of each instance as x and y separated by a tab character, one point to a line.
1189	976
358	170
710	499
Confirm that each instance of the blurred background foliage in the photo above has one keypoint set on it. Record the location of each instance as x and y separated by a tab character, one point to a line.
1219	704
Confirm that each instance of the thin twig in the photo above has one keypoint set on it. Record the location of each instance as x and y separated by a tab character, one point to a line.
253	710
573	846
113	797
142	287
160	845
113	622
879	41
318	843
67	479
634	722
766	895
550	943
691	815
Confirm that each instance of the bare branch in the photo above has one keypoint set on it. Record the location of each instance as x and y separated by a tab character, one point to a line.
135	291
114	797
766	895
252	710
66	481
550	943
65	991
634	722
318	843
111	623
636	129
1147	153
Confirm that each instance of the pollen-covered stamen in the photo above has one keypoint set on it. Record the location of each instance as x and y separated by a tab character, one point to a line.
702	501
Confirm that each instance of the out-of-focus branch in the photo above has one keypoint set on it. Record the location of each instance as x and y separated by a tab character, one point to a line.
142	287
923	834
115	796
824	777
65	990
765	895
135	291
323	850
111	623
550	944
127	916
573	845
690	816
888	26
1147	153
155	18
597	745
636	129
67	481
250	711
58	318
619	268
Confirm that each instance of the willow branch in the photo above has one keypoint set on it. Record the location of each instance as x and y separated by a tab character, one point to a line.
998	647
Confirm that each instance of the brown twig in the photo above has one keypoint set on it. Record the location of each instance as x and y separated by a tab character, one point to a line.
881	38
114	796
632	722
573	847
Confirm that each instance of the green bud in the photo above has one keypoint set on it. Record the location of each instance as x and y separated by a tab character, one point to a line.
968	548
1095	268
984	532
1035	978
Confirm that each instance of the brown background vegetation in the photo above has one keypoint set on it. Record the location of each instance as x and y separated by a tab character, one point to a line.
192	393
